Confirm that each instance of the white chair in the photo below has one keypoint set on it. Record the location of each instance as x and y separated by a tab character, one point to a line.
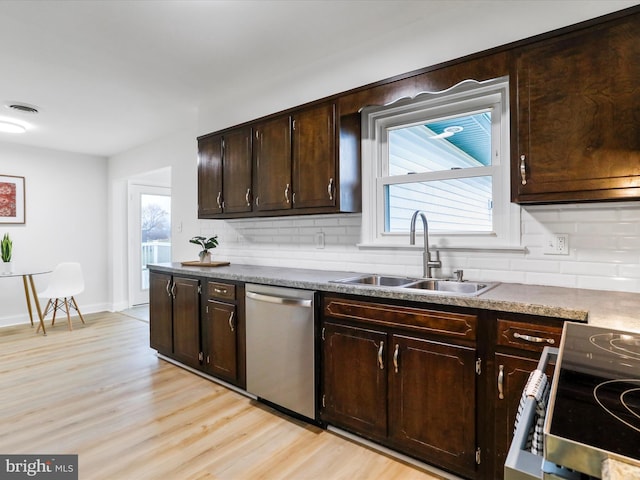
66	282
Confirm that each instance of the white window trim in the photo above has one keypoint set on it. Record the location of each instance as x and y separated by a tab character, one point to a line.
376	120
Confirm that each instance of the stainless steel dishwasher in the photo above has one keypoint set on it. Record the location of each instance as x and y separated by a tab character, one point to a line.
280	347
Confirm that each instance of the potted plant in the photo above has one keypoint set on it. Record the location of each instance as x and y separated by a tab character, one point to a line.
205	244
6	248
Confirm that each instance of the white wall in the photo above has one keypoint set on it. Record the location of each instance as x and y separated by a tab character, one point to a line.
66	207
177	152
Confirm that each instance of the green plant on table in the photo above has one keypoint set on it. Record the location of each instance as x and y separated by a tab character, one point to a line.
205	243
6	246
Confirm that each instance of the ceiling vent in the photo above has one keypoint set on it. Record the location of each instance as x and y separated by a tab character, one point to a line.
23	107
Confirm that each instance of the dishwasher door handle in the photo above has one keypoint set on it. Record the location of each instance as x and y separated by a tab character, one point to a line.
280	300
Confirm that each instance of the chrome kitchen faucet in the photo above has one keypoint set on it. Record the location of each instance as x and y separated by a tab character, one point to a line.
427	264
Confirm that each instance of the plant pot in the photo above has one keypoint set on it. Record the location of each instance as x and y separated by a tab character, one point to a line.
205	257
7	268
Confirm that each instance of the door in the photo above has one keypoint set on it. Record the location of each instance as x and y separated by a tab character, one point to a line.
209	176
150	236
236	168
186	320
432	397
355	379
220	340
272	165
314	157
160	313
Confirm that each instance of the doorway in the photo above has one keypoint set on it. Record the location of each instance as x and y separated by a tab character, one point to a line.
149	236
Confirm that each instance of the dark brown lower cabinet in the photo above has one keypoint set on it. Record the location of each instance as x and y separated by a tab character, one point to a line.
432	398
222	331
161	312
174	312
407	390
219	342
186	320
202	330
355	385
512	375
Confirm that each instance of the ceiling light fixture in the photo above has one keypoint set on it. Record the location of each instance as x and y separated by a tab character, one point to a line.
10	127
448	132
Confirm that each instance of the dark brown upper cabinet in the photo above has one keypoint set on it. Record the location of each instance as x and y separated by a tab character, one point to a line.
283	165
314	157
578	116
272	165
224	173
209	176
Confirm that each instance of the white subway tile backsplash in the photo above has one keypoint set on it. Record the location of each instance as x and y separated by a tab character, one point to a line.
604	243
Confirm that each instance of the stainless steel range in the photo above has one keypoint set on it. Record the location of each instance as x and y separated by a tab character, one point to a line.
594	406
593	410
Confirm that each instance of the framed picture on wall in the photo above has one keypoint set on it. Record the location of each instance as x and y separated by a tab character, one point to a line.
12	199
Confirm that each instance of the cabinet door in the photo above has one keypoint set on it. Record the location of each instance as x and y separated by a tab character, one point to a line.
209	176
432	398
220	340
186	321
355	379
237	171
578	103
272	165
511	376
314	157
160	321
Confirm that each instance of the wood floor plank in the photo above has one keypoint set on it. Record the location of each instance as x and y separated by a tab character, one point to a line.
102	393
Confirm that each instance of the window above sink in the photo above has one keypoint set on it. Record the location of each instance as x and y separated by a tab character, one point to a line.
447	154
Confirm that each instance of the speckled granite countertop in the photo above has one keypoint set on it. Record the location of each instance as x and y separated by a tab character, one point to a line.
616	310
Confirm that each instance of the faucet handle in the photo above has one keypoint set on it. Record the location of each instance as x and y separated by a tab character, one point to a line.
458	274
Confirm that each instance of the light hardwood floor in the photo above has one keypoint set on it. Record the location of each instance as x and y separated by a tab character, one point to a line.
102	393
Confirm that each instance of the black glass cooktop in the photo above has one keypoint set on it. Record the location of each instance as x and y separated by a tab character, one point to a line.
597	399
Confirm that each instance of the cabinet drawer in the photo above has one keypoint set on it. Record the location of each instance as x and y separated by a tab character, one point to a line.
223	291
527	336
450	324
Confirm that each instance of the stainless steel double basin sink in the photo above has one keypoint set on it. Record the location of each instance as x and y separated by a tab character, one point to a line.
417	284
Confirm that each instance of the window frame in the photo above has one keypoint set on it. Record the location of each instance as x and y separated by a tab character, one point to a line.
468	96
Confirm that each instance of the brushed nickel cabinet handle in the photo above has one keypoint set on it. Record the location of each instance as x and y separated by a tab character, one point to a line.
173	290
257	201
167	288
380	351
395	357
523	169
501	382
330	189
247	197
286	193
223	291
231	321
219	199
529	338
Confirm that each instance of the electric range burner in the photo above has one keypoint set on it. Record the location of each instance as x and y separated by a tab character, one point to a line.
594	407
624	344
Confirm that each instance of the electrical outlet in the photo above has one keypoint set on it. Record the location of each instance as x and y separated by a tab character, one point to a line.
557	244
320	240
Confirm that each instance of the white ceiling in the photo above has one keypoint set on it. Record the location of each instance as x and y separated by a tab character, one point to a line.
111	75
